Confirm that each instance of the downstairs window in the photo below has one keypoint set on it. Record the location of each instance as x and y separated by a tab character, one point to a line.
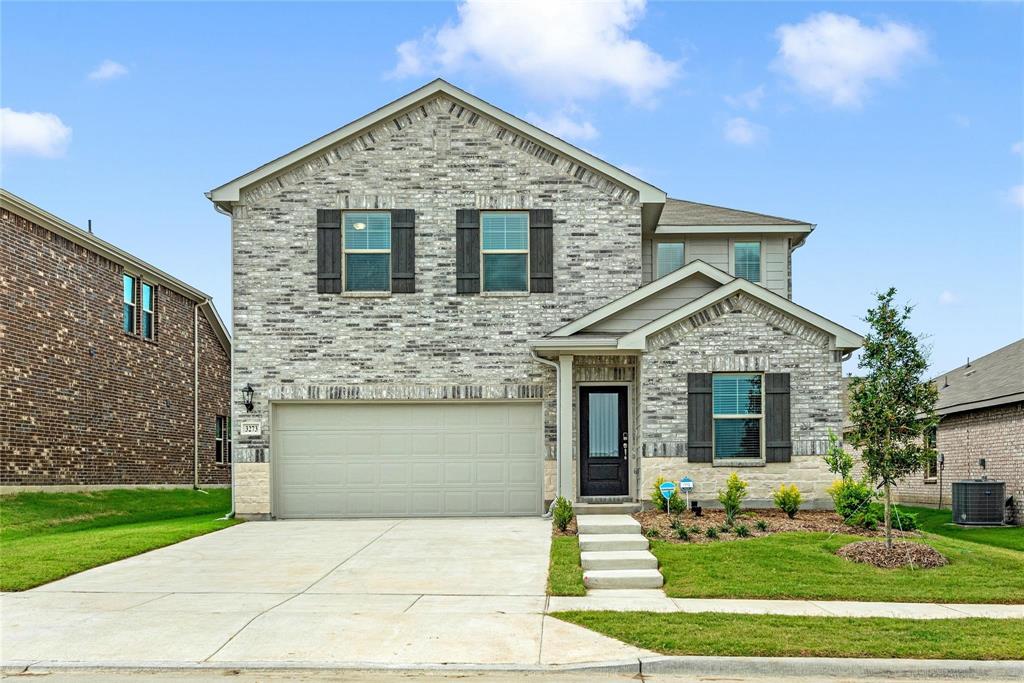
738	416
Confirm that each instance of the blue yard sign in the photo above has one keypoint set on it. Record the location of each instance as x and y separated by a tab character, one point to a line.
668	489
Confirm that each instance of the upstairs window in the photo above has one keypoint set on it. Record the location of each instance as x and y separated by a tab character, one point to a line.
128	306
738	400
222	440
747	260
669	258
147	311
505	250
367	247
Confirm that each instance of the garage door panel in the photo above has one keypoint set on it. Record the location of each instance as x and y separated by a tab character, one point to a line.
365	460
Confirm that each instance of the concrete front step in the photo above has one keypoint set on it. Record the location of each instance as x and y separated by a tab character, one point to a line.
606	508
619	559
609	542
607	524
623	578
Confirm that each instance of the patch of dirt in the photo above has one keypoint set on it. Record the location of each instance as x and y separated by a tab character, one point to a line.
569	530
917	555
775	521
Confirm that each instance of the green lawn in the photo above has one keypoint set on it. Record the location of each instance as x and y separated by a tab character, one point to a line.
940	522
803	566
47	536
749	635
565	576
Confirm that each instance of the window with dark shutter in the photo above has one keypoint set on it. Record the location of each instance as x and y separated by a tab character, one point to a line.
698	417
403	251
541	250
467	251
328	251
778	445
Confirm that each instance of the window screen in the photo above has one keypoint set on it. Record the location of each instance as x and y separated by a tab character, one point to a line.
367	245
738	415
670	258
748	260
505	244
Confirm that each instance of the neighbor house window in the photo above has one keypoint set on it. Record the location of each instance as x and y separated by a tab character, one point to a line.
129	304
669	258
367	246
738	416
222	439
747	260
505	248
147	310
931	465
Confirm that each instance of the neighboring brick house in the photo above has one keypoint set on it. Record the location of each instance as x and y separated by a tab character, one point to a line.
100	362
444	310
981	411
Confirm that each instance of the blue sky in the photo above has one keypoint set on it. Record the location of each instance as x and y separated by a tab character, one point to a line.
895	127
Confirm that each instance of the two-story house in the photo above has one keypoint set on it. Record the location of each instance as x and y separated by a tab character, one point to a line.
440	309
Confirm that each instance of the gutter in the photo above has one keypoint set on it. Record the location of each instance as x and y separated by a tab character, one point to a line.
558	426
195	396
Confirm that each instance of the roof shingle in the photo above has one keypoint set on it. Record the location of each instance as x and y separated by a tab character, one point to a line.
681	212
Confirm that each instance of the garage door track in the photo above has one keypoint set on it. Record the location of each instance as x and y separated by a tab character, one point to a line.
321	593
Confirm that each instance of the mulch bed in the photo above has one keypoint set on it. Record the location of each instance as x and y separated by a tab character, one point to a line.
776	521
569	530
916	555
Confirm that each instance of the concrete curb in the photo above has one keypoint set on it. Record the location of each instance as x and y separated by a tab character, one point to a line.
813	668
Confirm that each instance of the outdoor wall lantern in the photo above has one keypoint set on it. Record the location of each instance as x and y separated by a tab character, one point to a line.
247	393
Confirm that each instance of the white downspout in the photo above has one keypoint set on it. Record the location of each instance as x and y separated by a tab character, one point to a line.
195	396
558	425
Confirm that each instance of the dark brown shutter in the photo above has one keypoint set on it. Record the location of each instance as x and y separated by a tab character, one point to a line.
403	251
328	251
541	250
698	417
467	251
778	445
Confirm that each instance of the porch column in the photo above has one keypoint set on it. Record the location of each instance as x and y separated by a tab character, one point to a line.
566	471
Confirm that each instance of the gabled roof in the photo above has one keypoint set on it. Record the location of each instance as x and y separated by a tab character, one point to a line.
995	379
230	192
574	336
681	212
29	211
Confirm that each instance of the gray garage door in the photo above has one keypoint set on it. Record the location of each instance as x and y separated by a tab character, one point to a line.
407	459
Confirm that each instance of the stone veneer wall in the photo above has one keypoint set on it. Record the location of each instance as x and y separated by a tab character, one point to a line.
82	403
996	434
740	335
291	342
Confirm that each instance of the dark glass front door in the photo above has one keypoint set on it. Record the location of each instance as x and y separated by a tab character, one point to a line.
604	441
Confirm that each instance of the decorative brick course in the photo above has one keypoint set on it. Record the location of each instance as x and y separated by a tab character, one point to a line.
81	402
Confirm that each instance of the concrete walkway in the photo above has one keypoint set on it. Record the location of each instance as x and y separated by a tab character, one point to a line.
327	593
656	601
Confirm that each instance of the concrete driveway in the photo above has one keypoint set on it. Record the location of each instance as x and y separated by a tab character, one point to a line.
395	592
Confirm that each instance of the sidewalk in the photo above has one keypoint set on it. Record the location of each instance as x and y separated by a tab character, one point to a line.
657	601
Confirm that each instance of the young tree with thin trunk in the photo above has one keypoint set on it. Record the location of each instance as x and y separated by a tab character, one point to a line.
892	405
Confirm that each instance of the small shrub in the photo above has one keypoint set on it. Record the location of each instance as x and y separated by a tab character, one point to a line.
788	499
903	519
653	533
677	502
742	530
761	525
725	528
711	532
694	529
682	534
562	513
855	502
731	497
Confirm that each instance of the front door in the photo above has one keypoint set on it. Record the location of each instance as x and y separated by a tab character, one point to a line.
604	441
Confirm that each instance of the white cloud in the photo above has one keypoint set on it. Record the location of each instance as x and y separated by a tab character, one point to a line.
740	131
836	57
568	49
563	125
108	70
750	99
1017	147
36	133
1017	195
947	297
962	120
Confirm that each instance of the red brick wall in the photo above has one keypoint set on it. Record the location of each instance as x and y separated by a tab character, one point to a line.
81	402
996	434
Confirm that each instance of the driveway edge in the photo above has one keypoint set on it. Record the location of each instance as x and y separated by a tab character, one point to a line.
766	667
